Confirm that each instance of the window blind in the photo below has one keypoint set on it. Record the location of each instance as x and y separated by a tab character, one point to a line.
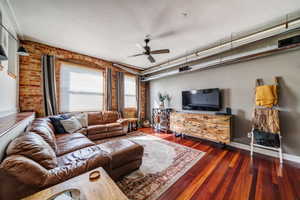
81	88
130	91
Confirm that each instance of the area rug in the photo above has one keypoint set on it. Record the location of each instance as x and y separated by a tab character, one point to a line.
163	164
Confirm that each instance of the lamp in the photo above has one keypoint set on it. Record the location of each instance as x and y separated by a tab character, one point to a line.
3	55
22	51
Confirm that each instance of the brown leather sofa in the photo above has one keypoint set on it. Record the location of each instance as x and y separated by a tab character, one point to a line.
40	158
105	124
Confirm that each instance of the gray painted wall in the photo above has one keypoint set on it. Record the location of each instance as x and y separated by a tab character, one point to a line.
237	82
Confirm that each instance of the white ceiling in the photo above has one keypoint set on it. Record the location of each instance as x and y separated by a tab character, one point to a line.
110	29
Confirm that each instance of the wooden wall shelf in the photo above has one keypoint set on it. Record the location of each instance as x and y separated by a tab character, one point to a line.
9	122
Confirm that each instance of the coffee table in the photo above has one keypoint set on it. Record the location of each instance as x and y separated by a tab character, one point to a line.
103	188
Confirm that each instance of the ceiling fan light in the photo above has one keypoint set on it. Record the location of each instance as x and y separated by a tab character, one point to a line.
22	51
3	55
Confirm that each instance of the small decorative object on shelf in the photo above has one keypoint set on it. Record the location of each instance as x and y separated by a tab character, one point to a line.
161	119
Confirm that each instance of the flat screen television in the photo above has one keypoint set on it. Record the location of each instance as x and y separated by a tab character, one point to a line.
207	99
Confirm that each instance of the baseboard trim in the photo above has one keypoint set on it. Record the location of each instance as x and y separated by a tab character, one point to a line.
267	152
5	113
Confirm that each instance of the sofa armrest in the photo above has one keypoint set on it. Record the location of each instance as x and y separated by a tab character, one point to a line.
24	170
124	123
20	177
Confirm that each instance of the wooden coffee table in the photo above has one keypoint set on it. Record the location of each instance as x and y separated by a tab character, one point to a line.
103	188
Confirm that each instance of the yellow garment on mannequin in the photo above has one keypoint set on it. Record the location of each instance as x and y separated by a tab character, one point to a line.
266	95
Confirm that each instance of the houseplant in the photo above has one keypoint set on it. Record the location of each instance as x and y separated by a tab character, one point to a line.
162	99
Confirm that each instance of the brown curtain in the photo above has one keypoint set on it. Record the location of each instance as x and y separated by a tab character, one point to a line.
138	96
49	85
120	91
108	89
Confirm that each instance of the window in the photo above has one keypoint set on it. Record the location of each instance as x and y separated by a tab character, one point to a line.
130	91
81	88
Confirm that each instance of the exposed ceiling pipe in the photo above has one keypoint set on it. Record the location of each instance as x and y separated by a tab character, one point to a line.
227	60
126	69
273	31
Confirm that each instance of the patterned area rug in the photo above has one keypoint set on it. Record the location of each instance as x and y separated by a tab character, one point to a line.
163	164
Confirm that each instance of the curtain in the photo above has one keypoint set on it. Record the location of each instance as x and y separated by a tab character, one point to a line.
108	89
49	85
138	96
120	91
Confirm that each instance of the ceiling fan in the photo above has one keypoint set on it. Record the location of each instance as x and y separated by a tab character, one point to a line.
148	51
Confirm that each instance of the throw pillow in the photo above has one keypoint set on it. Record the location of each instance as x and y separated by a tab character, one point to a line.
71	125
82	118
33	146
55	120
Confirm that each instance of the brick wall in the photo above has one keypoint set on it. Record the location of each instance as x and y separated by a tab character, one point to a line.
31	93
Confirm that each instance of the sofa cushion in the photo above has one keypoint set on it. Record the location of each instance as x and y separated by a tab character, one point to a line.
57	124
89	154
114	126
67	143
97	136
82	131
76	163
115	133
96	129
34	147
43	130
95	118
122	151
110	116
45	121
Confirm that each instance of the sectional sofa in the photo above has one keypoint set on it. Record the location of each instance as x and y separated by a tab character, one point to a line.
41	158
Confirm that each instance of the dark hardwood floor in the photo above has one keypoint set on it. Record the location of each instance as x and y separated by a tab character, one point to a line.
230	173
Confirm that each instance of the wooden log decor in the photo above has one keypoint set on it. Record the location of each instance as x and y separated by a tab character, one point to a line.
207	126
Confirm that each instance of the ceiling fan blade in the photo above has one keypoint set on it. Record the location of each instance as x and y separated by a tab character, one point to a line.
151	59
160	51
140	54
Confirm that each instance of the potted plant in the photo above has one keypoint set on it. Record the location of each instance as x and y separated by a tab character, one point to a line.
162	100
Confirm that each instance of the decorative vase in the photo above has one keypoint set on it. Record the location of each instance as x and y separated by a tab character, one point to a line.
162	105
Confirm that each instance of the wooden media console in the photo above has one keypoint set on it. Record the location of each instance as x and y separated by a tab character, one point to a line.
212	127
